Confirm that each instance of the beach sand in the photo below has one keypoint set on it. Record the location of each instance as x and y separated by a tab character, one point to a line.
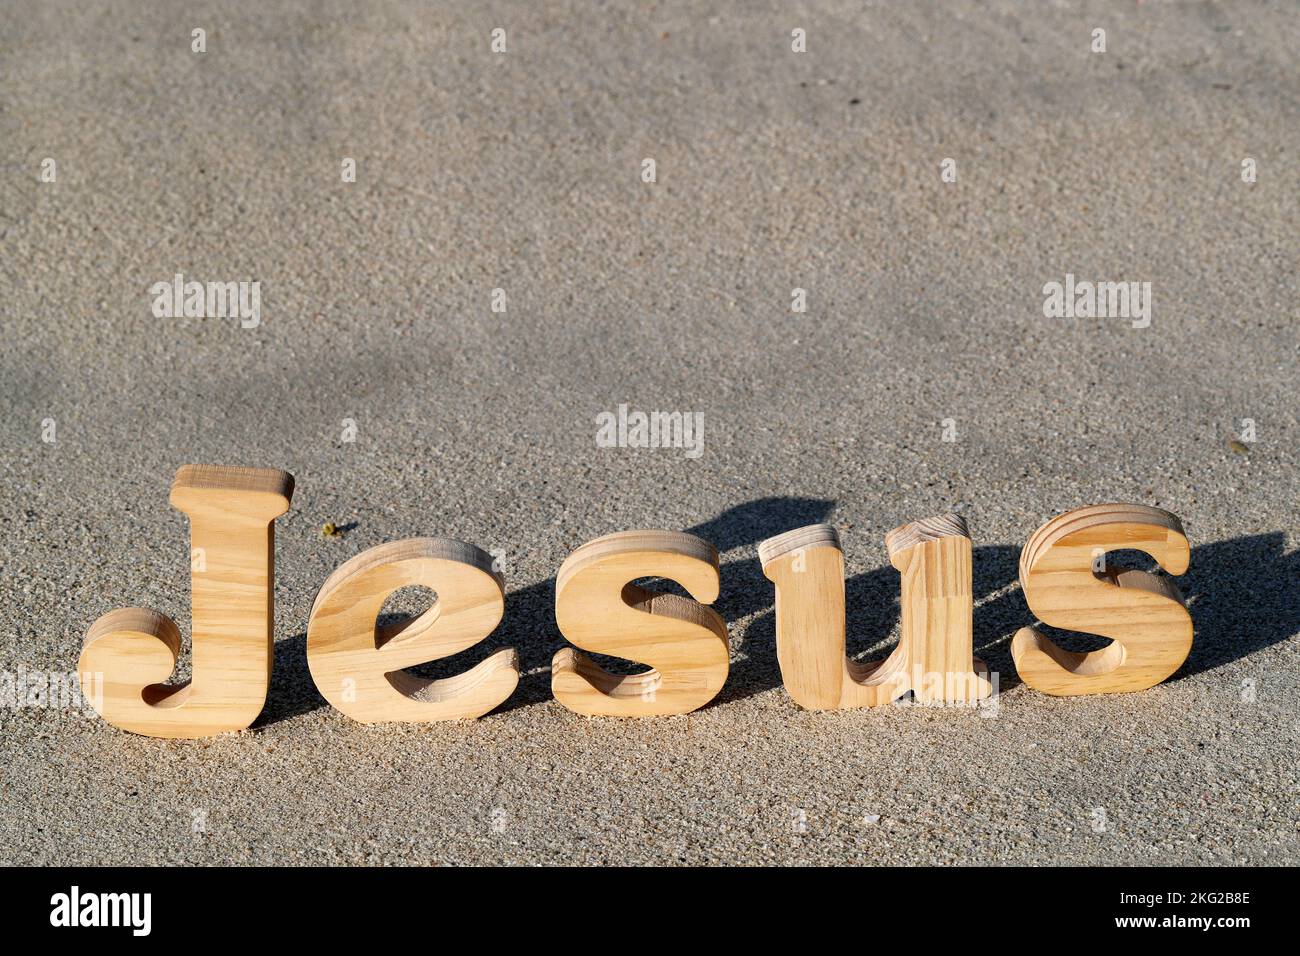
775	171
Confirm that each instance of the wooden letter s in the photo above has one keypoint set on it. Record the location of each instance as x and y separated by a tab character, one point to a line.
1066	584
598	608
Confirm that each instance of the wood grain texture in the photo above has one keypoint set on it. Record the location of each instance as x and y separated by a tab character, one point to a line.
598	608
232	533
933	658
1143	614
358	665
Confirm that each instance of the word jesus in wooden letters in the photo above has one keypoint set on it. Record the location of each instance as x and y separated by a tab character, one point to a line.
360	665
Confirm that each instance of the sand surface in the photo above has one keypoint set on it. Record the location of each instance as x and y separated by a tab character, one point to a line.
775	171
